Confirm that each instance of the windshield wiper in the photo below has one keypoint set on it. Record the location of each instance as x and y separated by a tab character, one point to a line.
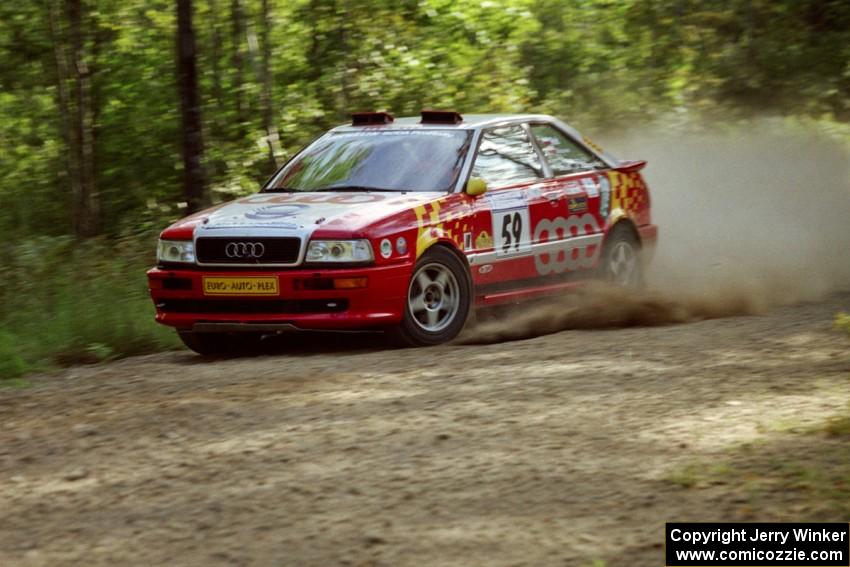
280	190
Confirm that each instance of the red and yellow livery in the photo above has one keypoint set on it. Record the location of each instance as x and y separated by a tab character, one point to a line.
405	225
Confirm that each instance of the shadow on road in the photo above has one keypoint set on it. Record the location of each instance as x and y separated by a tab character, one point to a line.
300	344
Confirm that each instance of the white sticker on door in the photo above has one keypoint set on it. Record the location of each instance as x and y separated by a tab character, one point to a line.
590	187
511	230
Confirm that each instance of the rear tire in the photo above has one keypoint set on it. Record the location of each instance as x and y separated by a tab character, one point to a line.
220	344
438	300
621	262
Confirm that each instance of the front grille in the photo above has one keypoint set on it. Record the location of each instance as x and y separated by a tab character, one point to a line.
281	250
268	306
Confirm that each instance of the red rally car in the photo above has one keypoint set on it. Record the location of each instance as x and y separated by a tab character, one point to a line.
405	225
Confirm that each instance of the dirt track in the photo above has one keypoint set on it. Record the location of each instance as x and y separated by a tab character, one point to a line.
556	450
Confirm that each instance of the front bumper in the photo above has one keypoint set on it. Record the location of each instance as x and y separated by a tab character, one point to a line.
180	301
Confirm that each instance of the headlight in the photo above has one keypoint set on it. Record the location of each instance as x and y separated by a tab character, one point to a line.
320	251
175	251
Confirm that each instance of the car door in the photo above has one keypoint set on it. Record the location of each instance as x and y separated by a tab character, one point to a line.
507	160
577	176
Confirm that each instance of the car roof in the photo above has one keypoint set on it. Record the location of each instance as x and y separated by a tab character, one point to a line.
477	122
469	122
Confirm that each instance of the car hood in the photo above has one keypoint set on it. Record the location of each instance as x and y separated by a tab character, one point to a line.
267	214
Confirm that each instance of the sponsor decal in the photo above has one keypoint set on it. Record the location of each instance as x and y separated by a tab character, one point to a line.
483	240
485	269
467	240
567	255
396	132
501	200
245	285
274	212
577	205
572	188
592	146
309	198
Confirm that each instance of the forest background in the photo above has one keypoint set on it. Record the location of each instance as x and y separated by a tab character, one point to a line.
117	117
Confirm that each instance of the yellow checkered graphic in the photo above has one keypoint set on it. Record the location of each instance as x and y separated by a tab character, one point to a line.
431	226
628	192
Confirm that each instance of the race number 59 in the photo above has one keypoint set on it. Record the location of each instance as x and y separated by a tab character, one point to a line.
511	231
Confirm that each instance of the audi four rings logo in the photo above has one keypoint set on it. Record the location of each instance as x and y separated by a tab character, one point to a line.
244	249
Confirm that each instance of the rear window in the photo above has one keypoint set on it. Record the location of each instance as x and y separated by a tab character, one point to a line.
564	155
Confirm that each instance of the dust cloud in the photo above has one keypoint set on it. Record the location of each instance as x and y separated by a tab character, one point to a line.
750	217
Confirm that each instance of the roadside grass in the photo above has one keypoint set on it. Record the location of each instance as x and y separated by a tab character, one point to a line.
699	475
803	476
804	472
842	322
838	426
66	303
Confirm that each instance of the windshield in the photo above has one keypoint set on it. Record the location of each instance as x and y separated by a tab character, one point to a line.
383	160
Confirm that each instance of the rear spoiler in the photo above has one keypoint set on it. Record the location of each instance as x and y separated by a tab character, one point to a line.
630	165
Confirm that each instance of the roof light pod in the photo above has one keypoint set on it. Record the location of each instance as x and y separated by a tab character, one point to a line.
441	117
371	118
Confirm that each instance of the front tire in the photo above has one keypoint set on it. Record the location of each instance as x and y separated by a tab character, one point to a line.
438	301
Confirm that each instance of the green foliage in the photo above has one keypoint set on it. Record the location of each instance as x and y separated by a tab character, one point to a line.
595	63
11	363
63	302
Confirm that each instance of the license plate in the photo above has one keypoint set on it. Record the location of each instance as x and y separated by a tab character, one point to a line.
245	285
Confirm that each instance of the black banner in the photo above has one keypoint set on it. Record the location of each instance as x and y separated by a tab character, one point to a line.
757	544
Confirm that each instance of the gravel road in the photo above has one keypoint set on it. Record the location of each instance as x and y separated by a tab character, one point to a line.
555	450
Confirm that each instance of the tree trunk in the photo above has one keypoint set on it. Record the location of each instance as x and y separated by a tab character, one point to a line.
194	183
266	73
86	206
215	63
344	109
63	103
237	16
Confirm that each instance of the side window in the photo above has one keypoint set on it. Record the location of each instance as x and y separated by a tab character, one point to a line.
506	157
564	155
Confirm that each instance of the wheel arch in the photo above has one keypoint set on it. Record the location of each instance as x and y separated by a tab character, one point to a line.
623	223
448	245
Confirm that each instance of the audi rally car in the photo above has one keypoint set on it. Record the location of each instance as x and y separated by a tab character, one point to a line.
405	225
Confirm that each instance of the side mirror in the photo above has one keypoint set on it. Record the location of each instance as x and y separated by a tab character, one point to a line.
476	186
